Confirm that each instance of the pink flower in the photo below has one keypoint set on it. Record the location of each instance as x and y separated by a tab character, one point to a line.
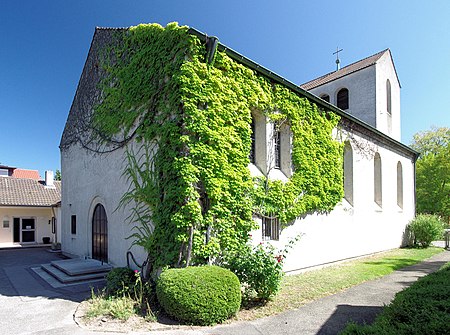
136	271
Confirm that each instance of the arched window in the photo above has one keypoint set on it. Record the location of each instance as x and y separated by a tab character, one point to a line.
253	138
342	98
348	173
377	179
100	234
399	185
389	106
277	146
325	97
388	96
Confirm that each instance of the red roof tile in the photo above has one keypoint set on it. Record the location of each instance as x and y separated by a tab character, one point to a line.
28	174
359	65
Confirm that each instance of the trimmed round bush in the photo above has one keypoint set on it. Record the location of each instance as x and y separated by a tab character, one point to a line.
426	228
202	295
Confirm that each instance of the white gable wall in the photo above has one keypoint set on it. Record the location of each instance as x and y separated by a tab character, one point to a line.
385	70
90	179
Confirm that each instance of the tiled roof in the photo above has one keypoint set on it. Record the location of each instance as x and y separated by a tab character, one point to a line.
359	65
28	174
28	192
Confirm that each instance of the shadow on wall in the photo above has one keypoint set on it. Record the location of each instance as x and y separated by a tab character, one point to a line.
407	238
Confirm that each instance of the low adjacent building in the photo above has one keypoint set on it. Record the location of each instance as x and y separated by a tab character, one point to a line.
29	208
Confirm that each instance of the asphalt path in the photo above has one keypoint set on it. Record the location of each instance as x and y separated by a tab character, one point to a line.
28	305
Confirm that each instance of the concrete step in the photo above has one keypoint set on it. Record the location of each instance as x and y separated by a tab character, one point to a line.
65	278
76	267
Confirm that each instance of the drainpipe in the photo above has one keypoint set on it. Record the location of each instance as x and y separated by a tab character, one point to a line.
211	47
54	222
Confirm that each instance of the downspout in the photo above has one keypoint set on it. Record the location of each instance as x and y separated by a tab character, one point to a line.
54	222
211	48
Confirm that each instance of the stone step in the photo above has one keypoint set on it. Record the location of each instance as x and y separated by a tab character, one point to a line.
76	267
64	278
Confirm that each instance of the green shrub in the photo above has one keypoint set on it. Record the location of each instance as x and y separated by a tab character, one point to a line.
425	229
259	269
120	281
423	308
199	295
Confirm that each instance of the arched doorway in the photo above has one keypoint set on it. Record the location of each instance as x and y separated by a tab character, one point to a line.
100	234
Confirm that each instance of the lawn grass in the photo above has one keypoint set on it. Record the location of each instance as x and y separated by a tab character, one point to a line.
300	289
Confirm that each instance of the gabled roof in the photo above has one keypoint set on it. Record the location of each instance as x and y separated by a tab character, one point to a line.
28	192
87	88
28	174
359	65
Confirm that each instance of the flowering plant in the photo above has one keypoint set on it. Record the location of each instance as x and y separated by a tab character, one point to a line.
260	269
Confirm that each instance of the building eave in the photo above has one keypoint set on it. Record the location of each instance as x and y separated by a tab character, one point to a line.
25	206
288	84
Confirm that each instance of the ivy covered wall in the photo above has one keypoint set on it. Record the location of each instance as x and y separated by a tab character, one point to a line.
190	187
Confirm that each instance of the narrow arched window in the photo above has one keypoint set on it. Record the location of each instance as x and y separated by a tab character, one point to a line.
388	97
252	138
348	173
342	98
325	97
399	185
378	192
277	146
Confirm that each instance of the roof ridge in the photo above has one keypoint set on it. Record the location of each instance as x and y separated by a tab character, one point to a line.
362	60
111	28
343	71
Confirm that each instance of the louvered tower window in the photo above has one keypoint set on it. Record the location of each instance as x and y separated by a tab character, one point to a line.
342	98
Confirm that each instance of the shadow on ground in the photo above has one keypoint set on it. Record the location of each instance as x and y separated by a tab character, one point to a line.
18	280
348	313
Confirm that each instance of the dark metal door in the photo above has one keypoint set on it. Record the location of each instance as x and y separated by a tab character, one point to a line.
100	234
16	230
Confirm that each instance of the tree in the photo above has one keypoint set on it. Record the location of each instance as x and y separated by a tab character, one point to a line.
57	175
433	171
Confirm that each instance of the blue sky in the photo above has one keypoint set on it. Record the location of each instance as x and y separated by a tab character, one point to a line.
43	46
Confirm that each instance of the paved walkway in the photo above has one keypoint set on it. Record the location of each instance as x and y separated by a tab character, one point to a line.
30	306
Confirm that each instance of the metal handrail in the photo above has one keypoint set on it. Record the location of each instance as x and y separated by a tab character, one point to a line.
129	253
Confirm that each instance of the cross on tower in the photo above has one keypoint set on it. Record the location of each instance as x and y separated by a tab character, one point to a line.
337	57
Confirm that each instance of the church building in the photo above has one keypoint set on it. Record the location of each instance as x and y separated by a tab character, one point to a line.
378	170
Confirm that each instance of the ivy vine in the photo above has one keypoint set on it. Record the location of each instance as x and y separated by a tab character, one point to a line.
188	166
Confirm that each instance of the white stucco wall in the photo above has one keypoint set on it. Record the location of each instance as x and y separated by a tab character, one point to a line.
90	179
368	97
348	231
385	70
41	215
362	88
351	231
57	215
